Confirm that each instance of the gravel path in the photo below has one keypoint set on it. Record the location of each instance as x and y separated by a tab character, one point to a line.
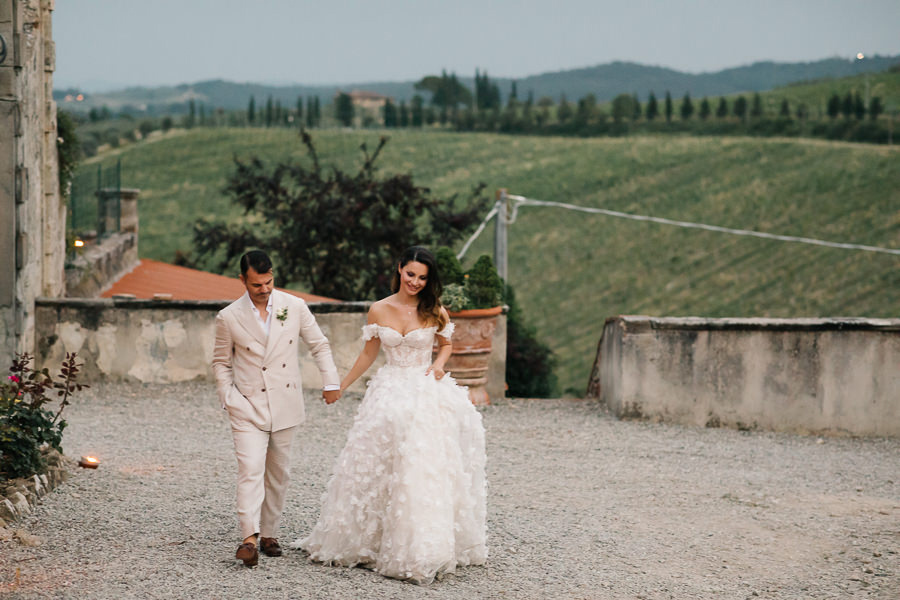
580	506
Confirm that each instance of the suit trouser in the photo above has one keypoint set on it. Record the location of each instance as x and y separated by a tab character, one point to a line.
264	470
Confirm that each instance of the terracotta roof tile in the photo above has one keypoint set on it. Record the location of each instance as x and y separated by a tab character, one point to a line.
152	277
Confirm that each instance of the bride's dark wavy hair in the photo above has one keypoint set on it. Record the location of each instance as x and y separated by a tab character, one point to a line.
429	307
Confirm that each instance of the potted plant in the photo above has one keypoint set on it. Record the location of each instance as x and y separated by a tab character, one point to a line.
474	301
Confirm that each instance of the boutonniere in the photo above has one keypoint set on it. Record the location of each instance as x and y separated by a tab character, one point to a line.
281	315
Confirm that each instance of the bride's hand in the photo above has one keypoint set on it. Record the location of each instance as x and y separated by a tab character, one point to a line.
438	372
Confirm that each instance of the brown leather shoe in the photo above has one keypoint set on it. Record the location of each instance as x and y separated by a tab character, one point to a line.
270	546
248	553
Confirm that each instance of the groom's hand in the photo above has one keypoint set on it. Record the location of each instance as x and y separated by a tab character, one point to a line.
331	396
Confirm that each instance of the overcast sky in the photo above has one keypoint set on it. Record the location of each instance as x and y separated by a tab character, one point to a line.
118	43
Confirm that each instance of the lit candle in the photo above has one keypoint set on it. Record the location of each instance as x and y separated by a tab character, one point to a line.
89	462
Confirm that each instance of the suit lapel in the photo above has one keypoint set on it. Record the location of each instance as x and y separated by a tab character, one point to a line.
276	326
248	320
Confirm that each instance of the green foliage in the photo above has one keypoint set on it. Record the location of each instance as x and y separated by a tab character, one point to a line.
68	150
652	107
687	107
390	114
25	424
529	362
454	297
483	286
449	266
446	91
343	109
336	233
623	107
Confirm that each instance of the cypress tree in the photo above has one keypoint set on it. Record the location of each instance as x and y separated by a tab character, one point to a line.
847	105
785	110
390	114
875	108
687	107
705	109
343	109
756	110
834	106
564	112
652	107
668	107
722	108
859	107
417	116
740	107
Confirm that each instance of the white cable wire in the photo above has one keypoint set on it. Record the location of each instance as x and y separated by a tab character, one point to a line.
478	231
521	200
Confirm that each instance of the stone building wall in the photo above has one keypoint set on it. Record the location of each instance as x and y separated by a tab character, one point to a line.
32	212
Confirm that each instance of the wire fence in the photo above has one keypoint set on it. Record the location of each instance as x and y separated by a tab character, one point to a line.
507	208
95	201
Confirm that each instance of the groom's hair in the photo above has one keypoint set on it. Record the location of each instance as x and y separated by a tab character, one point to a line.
257	260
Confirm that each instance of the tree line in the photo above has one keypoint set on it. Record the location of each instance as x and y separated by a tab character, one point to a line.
445	102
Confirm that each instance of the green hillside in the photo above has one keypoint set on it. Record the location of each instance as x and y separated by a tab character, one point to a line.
571	270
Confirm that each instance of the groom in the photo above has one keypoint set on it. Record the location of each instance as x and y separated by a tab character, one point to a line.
258	382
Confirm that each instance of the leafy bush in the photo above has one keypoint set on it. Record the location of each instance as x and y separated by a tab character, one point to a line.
448	266
529	363
25	425
483	286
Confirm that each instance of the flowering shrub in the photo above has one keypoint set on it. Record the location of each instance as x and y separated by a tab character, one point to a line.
25	424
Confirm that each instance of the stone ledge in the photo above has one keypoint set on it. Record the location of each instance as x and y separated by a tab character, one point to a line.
18	497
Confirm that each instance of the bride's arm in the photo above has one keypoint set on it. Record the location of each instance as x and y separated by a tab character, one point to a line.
363	362
367	356
445	349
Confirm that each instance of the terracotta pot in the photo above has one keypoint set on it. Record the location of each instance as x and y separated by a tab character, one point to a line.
472	342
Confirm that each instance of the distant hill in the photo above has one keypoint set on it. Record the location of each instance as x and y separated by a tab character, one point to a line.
604	81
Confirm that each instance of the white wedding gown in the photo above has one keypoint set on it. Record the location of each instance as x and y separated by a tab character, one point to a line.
407	497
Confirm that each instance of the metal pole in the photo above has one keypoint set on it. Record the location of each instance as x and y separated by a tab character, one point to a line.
500	256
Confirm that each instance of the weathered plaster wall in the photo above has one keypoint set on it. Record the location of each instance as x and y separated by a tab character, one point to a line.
170	341
32	213
800	375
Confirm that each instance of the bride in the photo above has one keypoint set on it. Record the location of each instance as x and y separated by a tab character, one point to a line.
407	497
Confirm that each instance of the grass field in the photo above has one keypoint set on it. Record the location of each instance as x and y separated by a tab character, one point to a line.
571	270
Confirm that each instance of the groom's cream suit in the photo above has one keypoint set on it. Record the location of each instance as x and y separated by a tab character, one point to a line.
258	383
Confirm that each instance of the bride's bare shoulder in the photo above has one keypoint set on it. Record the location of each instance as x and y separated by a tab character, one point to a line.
378	309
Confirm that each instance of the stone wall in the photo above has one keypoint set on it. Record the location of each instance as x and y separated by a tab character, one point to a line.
798	375
32	213
168	341
100	265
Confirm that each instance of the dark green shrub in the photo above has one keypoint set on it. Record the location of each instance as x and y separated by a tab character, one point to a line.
448	266
529	363
483	286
